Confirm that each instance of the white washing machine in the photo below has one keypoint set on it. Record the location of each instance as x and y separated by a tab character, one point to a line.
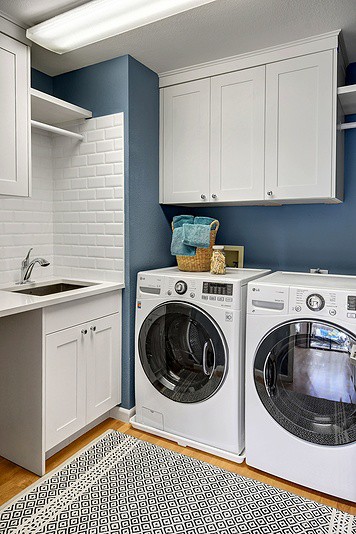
189	367
301	380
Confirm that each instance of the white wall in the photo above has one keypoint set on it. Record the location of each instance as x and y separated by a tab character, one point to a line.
74	217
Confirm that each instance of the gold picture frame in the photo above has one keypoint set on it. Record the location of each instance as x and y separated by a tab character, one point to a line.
234	256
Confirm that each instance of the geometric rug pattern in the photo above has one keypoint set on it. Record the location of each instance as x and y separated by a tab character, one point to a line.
120	484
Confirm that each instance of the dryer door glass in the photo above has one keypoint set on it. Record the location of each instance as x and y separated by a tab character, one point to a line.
183	352
305	375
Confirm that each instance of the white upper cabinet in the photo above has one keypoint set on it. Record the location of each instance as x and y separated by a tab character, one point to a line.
237	135
185	121
300	128
260	128
15	120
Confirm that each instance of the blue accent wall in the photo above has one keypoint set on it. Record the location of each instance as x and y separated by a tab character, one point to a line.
102	88
41	81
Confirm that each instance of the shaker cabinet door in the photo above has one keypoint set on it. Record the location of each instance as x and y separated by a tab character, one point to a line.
300	128
103	365
237	135
65	384
15	118
185	133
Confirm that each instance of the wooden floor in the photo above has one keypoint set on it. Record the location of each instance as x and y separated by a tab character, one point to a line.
14	479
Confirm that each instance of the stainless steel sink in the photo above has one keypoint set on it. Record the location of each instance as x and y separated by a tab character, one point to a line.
50	289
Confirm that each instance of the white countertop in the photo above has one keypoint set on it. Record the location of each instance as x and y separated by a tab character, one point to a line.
13	302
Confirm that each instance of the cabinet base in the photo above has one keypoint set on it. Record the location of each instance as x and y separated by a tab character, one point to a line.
77	434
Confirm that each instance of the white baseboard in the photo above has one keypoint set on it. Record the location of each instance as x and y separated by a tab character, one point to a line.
122	414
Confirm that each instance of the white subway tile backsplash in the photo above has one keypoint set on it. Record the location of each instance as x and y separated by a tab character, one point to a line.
75	216
104	122
104	170
95	135
106	146
96	159
28	222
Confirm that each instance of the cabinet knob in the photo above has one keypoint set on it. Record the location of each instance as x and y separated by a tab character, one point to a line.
84	331
203	197
269	193
214	196
93	328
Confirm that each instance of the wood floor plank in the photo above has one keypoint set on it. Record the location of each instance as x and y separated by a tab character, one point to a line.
14	479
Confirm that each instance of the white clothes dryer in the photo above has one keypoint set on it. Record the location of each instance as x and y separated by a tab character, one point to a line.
301	380
189	367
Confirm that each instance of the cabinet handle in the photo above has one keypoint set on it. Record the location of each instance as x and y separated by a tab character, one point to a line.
93	328
84	331
214	196
269	193
203	197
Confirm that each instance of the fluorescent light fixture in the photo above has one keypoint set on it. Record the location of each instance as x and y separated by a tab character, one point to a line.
100	19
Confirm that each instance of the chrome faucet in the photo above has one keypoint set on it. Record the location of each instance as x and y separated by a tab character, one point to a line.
27	267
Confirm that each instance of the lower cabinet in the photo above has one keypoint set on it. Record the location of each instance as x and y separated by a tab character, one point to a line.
82	369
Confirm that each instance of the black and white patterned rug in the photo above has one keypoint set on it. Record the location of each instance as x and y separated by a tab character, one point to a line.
120	484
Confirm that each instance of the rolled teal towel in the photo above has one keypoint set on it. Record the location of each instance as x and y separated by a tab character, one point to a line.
196	235
203	220
178	248
179	220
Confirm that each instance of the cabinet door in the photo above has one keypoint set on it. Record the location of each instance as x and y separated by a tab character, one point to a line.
185	145
103	365
237	135
299	127
65	384
14	112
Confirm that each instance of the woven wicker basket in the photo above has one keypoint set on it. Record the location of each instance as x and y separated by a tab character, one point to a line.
201	261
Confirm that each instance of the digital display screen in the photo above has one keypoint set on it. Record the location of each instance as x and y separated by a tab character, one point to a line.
214	288
351	303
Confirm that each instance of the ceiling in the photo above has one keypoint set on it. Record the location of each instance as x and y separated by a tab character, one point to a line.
212	31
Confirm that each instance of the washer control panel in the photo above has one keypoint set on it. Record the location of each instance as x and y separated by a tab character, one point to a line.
189	289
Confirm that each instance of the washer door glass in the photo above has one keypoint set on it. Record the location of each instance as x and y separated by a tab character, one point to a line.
183	352
306	379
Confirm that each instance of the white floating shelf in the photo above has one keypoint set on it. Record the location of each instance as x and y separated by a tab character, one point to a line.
347	97
346	126
51	110
55	129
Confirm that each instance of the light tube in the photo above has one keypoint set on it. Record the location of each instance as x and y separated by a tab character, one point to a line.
101	19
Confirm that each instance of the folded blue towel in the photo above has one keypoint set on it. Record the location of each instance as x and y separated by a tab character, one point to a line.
178	248
179	220
196	235
203	220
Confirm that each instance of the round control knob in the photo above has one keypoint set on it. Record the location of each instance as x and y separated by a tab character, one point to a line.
203	197
181	287
332	312
315	302
298	308
192	295
214	196
269	193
